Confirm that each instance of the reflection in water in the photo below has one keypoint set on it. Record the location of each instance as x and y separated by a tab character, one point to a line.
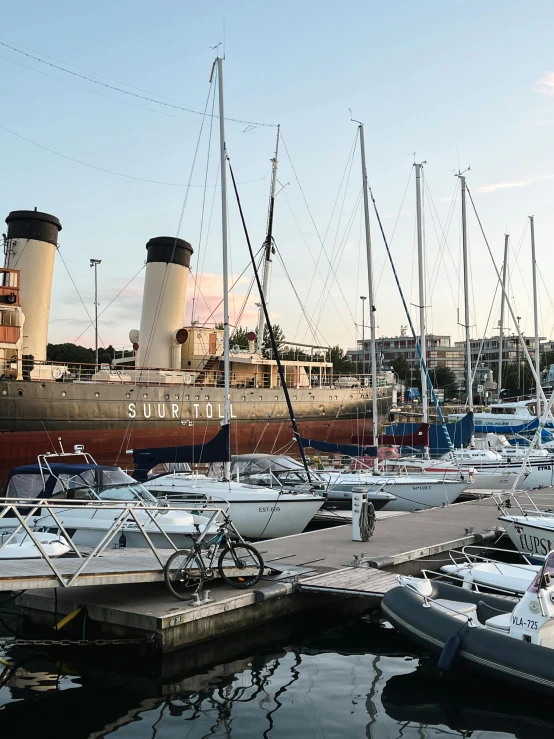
358	679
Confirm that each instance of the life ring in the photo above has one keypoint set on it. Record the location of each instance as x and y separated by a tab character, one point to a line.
57	373
187	379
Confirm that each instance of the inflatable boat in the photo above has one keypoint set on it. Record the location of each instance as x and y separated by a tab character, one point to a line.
497	637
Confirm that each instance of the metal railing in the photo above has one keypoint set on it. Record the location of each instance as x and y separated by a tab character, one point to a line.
70	372
28	513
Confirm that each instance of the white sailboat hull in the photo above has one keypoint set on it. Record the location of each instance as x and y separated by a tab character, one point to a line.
257	512
533	535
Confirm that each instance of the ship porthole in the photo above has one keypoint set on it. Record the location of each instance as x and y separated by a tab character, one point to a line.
187	397
127	395
145	395
63	393
4	391
177	396
20	392
166	396
96	395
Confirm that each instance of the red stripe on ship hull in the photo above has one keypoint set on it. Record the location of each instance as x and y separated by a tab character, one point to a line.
109	446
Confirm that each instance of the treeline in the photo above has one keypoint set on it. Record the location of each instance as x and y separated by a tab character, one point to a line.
75	354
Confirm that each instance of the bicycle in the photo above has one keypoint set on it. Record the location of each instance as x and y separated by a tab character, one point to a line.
186	570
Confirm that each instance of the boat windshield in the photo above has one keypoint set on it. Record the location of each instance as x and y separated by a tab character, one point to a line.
547	568
136	492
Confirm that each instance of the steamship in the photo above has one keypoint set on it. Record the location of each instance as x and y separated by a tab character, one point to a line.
171	391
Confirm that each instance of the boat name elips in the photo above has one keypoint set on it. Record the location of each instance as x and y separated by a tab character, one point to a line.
534	544
173	410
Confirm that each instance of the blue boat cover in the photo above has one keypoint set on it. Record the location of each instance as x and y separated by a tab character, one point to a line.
350	450
216	450
460	434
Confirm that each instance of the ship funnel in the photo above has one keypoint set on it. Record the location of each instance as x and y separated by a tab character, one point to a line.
163	300
31	248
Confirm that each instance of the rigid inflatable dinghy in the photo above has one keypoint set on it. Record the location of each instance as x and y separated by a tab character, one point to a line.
491	635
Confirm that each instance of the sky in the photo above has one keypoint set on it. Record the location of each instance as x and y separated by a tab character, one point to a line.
455	86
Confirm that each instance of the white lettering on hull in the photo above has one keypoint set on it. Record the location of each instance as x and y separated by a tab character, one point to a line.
175	411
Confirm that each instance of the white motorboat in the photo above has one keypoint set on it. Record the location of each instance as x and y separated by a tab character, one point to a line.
258	512
495	472
92	485
22	546
500	444
514	415
510	578
411	492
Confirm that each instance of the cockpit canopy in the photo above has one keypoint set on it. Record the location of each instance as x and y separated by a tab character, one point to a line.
72	481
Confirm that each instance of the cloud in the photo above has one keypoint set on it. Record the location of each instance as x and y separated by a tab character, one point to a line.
545	85
514	184
69	320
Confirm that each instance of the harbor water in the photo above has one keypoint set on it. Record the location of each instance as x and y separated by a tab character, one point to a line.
312	676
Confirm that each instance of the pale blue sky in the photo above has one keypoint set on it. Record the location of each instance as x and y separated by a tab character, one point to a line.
456	83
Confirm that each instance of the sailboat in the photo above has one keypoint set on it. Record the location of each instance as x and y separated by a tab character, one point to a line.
256	512
411	492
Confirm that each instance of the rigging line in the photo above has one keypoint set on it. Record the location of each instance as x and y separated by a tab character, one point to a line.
444	245
340	251
232	286
314	224
415	336
339	313
395	226
337	255
180	223
127	92
110	303
312	327
101	94
91	71
111	171
204	199
76	289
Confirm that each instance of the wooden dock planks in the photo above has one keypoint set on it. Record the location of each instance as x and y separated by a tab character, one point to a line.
363	581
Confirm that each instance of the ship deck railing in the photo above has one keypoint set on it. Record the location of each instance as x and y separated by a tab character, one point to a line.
101	562
209	376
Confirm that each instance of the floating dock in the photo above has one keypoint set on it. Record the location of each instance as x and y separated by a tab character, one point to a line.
125	597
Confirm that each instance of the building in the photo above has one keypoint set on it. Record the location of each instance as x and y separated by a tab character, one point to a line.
486	351
440	353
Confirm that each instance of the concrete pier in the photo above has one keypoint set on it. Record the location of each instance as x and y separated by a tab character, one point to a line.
404	543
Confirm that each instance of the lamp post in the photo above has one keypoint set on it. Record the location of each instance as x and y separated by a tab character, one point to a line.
363	298
94	263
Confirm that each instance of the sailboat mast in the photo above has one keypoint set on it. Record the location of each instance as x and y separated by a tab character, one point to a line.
225	244
374	404
536	315
421	271
268	244
502	303
469	379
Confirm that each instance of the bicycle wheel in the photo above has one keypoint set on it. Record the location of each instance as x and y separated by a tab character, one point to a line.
184	574
241	557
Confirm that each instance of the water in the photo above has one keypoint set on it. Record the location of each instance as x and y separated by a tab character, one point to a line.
304	678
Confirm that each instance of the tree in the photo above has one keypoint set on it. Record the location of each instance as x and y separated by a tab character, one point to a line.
443	378
341	362
75	354
402	368
239	337
279	340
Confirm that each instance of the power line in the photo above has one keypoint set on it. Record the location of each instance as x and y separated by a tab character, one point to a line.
148	99
111	171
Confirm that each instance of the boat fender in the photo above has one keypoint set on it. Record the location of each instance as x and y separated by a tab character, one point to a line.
448	653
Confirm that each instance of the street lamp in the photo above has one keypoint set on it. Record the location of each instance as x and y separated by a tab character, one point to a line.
94	263
363	298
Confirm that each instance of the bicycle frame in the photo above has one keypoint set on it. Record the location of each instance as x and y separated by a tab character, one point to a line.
225	527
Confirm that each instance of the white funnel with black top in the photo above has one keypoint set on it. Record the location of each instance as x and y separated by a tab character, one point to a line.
31	244
163	301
